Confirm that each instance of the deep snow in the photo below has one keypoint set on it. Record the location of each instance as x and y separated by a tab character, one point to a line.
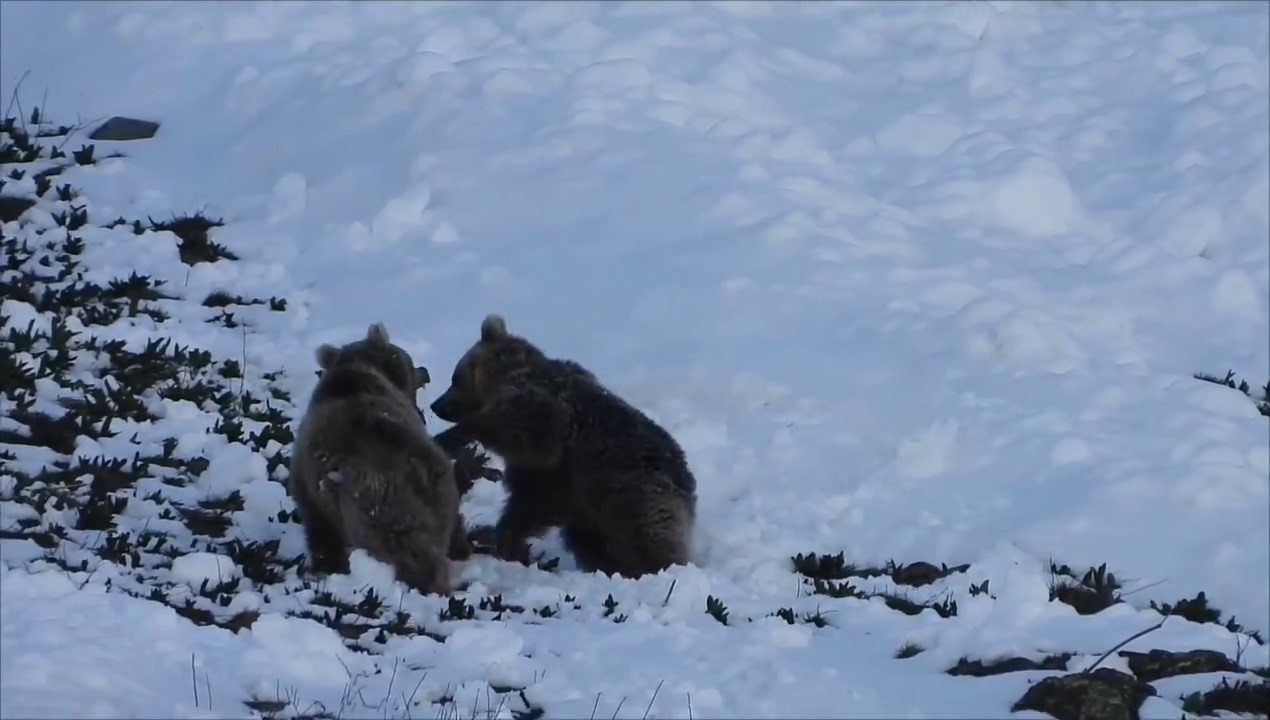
913	281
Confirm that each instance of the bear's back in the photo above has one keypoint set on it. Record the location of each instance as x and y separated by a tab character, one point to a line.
609	430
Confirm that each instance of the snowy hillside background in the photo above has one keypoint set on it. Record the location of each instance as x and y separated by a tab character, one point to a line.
910	282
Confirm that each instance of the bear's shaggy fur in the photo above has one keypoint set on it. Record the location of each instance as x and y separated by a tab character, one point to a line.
366	474
576	456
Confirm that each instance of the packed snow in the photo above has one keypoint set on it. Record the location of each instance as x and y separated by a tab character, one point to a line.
908	281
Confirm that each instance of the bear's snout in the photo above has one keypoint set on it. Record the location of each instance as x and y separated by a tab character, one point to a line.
444	407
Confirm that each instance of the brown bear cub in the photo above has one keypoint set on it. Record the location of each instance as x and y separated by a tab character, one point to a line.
576	456
366	474
468	466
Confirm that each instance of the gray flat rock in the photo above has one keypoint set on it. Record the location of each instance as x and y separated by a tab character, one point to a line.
124	128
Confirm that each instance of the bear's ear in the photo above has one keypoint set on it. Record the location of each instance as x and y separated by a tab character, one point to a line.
422	377
377	334
326	355
493	327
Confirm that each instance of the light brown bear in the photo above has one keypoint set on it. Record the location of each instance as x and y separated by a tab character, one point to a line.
366	474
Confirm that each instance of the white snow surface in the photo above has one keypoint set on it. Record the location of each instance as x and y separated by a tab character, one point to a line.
913	281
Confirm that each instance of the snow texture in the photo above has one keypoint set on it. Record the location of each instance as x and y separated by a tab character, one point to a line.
912	281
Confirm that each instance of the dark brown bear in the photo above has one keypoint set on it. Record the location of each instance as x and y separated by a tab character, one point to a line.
366	474
576	456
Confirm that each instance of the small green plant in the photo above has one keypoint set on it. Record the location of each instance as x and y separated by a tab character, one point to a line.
221	298
1088	594
816	618
945	608
822	567
84	155
457	609
610	610
832	589
908	650
716	609
196	245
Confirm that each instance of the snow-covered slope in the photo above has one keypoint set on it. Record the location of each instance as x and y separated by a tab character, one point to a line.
909	281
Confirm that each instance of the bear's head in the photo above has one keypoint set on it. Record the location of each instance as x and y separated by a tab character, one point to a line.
378	353
485	370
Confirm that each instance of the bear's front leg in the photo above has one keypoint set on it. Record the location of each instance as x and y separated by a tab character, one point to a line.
460	546
511	534
327	548
535	501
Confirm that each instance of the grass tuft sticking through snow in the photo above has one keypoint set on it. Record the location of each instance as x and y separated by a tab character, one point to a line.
908	650
1088	594
196	244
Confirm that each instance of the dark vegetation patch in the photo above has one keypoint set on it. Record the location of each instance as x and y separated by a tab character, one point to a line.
716	609
908	650
836	567
814	617
220	299
223	301
829	575
1090	593
1160	664
980	668
1100	694
1246	697
195	241
945	607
